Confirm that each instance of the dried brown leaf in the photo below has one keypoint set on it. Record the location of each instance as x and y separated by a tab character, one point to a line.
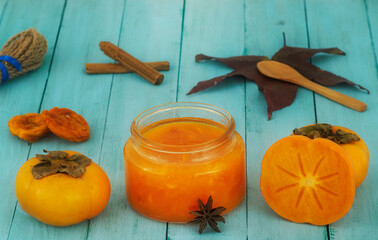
277	94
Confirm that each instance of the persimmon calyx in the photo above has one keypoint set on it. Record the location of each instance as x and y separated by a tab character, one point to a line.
323	130
59	162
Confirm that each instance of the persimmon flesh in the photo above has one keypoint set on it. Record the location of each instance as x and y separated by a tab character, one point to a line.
306	180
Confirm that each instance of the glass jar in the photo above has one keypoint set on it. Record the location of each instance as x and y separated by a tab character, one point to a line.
181	152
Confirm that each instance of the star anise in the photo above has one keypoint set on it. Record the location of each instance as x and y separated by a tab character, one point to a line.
207	215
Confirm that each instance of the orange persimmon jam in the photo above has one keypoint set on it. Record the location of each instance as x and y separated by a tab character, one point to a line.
181	152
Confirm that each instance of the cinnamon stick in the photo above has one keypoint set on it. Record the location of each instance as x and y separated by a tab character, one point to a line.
98	68
127	60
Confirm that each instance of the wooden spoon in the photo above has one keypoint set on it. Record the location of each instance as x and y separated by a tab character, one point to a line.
286	73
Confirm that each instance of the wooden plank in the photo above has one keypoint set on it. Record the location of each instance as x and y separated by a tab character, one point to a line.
151	32
344	24
84	25
21	95
372	11
265	22
3	6
215	28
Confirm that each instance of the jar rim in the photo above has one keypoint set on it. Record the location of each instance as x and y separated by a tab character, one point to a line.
229	125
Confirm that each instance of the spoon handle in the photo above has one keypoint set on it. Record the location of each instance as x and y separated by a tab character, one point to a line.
333	95
286	73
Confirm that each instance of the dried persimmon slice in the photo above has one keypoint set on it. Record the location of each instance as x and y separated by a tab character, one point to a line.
305	180
66	124
29	127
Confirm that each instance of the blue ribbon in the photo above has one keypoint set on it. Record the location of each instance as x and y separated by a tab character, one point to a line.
4	70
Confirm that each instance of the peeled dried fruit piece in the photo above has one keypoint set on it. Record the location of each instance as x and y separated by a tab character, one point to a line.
308	180
66	124
29	127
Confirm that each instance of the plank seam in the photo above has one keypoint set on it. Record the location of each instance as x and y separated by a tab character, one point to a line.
15	206
111	83
166	231
178	80
53	54
328	235
14	213
107	107
43	94
2	12
179	64
371	36
245	118
245	28
309	45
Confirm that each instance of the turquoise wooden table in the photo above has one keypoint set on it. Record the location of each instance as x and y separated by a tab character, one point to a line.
177	30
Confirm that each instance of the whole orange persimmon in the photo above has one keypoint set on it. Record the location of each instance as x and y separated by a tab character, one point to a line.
62	192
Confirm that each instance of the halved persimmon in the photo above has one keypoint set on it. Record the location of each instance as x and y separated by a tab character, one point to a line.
308	180
66	124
